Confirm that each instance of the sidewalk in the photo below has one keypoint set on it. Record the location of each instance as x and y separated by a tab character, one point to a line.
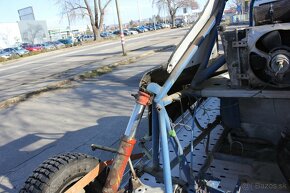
93	111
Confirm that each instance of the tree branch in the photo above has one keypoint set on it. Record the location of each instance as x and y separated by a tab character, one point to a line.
106	4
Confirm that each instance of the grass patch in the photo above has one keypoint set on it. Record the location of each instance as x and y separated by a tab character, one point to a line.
97	72
3	59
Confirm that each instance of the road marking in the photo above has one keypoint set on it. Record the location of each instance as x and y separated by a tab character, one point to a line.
36	68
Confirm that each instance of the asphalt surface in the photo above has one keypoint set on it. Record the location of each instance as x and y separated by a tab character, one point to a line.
27	74
69	120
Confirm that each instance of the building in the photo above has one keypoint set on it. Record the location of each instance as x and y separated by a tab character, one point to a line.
26	31
9	35
33	31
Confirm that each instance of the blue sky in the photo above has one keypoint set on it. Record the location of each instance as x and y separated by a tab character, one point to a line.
48	10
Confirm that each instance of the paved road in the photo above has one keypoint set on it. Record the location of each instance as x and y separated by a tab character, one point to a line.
34	72
95	111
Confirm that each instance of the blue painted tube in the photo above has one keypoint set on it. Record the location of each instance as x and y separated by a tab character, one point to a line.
165	153
209	71
251	12
178	150
177	147
180	67
191	146
173	77
155	136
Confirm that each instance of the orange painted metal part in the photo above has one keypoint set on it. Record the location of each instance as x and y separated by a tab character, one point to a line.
120	162
79	185
89	177
143	98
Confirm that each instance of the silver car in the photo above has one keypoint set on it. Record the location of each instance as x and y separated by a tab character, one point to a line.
5	55
16	51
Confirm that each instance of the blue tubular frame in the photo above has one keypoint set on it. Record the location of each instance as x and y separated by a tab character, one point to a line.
155	137
159	102
165	151
251	12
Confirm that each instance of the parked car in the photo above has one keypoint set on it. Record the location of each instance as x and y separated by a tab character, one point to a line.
58	44
142	28
17	51
149	27
67	42
117	32
48	46
24	44
135	29
33	48
106	34
158	26
5	55
87	37
129	32
179	22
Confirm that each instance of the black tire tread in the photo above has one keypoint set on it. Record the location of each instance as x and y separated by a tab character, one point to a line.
45	172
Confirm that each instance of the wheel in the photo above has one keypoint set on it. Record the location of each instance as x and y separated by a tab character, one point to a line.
59	173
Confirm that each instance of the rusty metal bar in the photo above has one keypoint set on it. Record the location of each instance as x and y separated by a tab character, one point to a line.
120	162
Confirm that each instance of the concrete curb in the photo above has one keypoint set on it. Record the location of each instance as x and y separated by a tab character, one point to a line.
85	75
23	97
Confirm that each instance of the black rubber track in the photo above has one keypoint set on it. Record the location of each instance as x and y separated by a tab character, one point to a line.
57	172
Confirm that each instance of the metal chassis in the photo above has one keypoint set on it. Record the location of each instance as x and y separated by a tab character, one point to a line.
160	119
204	33
207	34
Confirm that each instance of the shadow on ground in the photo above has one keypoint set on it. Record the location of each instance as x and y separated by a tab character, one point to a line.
23	151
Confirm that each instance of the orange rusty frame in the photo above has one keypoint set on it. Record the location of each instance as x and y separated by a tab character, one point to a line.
89	177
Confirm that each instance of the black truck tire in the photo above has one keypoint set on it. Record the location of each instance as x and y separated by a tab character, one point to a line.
60	172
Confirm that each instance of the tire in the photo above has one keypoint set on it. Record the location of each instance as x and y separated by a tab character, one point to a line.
60	172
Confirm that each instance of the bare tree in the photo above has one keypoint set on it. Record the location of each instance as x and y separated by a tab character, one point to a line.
33	33
173	5
94	9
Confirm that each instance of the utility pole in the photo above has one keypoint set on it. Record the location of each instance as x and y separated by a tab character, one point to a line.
121	29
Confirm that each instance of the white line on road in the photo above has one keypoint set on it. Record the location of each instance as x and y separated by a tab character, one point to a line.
5	76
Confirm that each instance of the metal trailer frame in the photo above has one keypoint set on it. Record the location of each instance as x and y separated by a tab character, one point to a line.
202	35
194	50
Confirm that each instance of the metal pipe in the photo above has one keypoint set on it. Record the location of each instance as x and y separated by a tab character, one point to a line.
165	152
251	12
184	62
209	71
134	120
173	76
175	143
203	73
132	169
119	165
155	137
178	149
126	145
100	147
